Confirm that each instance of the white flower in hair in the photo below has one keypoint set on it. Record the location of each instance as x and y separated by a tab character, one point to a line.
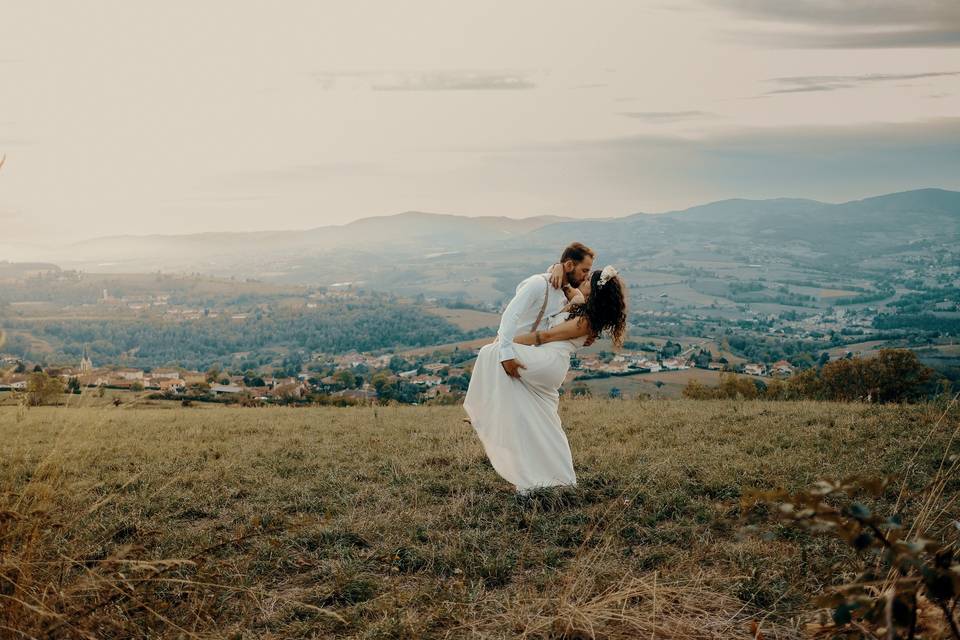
605	275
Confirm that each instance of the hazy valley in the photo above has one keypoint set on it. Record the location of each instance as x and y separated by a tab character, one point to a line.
727	284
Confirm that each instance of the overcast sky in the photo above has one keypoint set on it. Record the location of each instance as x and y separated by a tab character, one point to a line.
128	116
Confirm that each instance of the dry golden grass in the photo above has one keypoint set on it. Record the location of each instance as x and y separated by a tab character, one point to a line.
389	522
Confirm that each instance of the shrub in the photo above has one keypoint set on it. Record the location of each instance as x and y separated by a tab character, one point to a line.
42	389
698	391
894	375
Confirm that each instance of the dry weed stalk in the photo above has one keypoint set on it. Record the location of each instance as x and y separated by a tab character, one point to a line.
909	583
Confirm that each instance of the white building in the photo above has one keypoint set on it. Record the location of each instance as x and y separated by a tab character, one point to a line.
675	364
754	369
86	364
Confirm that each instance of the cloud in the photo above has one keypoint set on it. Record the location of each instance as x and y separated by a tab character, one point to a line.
851	24
328	79
800	84
903	39
214	199
938	133
267	179
833	163
434	80
667	116
456	81
849	13
935	132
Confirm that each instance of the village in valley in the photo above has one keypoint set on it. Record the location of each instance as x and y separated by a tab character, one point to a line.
646	367
410	333
440	377
411	376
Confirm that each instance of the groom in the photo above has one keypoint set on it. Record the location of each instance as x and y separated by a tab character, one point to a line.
537	300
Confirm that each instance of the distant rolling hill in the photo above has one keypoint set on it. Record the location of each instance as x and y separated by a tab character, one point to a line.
22	269
412	231
832	234
846	230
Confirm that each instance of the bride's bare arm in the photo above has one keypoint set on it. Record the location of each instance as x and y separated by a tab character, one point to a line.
573	328
576	298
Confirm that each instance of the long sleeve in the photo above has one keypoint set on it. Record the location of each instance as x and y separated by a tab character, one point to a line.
529	293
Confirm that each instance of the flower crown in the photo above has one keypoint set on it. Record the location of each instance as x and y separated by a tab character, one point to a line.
608	272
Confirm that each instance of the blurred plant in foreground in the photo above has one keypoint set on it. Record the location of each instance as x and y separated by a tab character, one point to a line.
907	583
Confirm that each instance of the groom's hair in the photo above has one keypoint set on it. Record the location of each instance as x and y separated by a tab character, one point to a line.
576	252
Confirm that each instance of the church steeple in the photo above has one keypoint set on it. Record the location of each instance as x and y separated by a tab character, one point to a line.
86	365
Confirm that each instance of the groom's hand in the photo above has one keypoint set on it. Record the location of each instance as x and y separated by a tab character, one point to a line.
512	367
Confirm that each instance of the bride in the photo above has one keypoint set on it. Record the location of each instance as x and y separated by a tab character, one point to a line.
517	419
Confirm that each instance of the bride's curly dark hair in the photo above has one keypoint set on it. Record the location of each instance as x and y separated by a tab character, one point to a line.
605	309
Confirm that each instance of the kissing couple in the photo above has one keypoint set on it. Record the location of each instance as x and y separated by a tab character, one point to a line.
514	394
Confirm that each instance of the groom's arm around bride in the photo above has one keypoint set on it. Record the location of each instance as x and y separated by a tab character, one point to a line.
536	300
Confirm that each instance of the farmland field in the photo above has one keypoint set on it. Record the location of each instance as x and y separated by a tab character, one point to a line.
836	293
672	383
467	319
463	345
860	349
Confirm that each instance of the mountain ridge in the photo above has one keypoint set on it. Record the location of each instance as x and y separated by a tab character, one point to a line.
897	197
818	228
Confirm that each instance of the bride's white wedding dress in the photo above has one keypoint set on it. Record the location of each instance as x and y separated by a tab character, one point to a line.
518	420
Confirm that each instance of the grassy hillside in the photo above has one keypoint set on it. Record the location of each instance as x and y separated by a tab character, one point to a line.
390	523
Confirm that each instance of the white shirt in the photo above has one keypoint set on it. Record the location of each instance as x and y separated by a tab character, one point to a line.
522	311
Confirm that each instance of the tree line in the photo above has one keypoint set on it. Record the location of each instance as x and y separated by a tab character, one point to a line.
367	325
894	375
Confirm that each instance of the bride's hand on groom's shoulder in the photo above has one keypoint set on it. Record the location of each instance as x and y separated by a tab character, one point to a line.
556	275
